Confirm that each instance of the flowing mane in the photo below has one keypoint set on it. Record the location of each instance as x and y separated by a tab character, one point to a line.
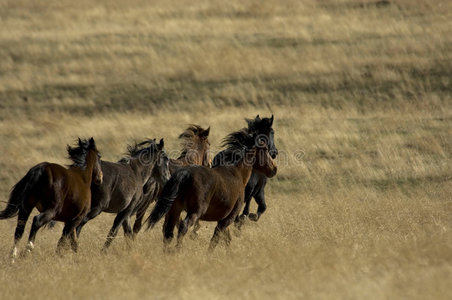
237	141
78	154
137	149
192	139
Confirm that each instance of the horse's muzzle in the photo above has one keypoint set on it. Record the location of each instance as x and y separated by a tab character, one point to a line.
99	179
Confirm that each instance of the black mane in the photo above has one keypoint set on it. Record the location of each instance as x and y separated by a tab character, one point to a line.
78	154
137	149
259	125
239	140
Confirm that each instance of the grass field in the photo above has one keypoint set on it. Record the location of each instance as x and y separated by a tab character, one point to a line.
361	207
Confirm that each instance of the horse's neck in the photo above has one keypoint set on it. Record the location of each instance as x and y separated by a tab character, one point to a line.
141	171
199	157
87	173
245	170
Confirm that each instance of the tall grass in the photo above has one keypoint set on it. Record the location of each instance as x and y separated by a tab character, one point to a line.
361	93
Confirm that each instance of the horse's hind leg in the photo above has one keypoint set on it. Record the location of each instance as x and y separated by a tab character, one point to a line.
39	221
185	225
171	220
196	228
74	242
68	233
21	222
221	230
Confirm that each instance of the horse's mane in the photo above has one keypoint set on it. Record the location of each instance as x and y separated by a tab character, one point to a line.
137	149
78	154
189	139
259	125
237	141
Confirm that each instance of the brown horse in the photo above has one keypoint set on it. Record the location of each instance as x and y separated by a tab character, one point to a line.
195	149
212	194
58	193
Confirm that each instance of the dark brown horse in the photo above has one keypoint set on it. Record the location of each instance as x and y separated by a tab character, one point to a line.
122	190
195	149
212	194
58	193
256	185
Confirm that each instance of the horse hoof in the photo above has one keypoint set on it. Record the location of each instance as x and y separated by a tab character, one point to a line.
253	217
242	218
194	235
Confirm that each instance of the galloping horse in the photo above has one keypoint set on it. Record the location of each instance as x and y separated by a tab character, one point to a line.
212	194
256	185
122	189
58	193
195	148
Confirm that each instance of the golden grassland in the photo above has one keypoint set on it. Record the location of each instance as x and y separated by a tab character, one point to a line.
361	207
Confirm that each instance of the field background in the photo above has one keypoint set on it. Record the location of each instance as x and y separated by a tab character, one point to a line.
361	92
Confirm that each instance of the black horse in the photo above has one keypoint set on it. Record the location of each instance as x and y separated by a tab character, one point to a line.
256	185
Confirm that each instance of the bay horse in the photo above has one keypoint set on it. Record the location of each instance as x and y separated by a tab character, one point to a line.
256	185
211	194
122	189
58	193
195	149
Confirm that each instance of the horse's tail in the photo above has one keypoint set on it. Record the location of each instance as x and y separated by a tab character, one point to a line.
20	192
170	192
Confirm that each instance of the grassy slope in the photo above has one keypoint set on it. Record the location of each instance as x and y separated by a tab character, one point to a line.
361	206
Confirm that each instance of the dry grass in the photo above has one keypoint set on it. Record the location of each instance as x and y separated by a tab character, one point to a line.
361	207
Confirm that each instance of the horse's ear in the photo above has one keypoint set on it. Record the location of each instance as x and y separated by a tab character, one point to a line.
206	132
92	143
161	144
249	122
271	121
80	143
258	118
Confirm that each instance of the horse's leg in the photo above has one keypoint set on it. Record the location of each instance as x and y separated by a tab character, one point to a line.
171	220
139	219
21	222
73	238
68	233
220	229
240	219
120	217
94	212
262	206
185	225
39	221
196	228
248	195
128	233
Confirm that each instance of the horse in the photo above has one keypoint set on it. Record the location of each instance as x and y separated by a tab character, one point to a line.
122	189
211	194
58	193
256	185
195	149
